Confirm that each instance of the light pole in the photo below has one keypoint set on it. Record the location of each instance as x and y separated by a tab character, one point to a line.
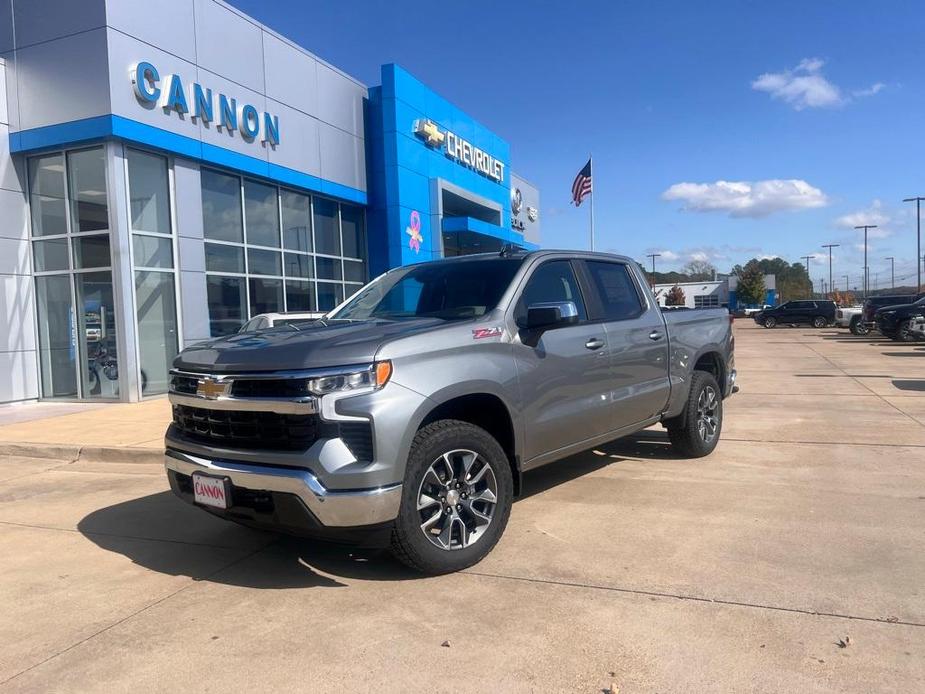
653	256
830	246
918	237
892	271
866	227
846	284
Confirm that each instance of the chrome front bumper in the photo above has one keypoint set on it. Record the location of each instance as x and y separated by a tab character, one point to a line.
332	508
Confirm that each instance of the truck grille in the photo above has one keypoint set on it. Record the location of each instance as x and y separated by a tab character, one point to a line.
269	430
248	430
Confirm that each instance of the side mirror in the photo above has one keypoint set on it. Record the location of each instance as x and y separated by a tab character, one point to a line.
551	314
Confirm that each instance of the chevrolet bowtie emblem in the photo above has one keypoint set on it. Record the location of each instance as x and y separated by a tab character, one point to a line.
429	131
212	389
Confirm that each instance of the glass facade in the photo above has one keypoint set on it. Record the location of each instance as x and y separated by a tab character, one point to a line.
270	249
72	260
154	268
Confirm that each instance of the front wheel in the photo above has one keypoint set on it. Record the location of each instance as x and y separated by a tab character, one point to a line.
770	322
695	432
819	322
904	332
456	499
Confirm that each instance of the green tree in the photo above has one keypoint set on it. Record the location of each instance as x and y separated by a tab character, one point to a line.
750	289
699	270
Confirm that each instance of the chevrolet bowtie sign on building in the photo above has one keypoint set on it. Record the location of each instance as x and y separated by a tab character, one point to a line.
459	149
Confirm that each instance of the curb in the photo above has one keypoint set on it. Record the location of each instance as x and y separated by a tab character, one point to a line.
86	454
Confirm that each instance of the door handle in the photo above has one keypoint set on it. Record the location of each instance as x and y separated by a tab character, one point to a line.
655	335
594	343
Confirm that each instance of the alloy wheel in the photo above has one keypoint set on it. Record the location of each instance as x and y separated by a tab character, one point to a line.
708	414
456	500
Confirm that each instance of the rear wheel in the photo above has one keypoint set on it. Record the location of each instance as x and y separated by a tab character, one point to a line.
904	332
456	499
770	322
695	432
819	322
858	326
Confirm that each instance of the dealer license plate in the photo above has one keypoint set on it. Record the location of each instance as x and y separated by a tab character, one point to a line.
211	491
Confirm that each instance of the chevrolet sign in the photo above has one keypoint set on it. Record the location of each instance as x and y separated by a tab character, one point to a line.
212	389
463	151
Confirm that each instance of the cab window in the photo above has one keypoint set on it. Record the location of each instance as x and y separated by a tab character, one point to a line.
619	299
552	281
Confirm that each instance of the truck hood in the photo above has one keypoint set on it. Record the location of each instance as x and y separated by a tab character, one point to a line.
316	345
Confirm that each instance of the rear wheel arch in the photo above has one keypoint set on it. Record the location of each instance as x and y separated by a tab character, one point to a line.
713	363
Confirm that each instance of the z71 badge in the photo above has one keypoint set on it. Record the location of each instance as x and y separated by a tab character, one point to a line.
482	333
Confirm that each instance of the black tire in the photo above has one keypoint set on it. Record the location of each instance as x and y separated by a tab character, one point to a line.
820	322
858	326
410	543
684	430
770	322
904	332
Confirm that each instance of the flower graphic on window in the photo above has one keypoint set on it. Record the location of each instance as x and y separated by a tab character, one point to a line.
414	231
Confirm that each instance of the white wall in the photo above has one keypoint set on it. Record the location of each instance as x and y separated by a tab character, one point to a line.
18	366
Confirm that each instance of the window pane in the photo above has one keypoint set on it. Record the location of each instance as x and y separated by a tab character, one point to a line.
299	296
328	268
221	258
221	206
297	231
46	175
266	296
50	255
261	214
354	271
91	251
151	251
148	192
57	351
46	185
263	262
298	265
87	182
157	328
351	220
553	281
329	295
227	307
327	236
616	290
96	335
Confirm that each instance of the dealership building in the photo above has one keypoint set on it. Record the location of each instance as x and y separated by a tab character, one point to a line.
168	171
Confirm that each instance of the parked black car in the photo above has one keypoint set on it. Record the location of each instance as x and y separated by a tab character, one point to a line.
864	323
817	313
896	321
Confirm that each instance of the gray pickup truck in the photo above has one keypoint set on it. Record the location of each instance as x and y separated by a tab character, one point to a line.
409	414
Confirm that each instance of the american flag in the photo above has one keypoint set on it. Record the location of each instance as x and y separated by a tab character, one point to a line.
582	185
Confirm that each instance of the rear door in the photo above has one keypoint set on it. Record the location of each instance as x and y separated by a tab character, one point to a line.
636	337
563	372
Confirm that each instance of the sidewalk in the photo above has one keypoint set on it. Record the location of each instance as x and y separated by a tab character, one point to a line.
126	432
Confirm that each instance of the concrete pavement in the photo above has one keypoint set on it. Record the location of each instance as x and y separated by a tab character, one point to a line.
624	566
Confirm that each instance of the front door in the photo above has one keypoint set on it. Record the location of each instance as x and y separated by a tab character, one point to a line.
637	338
563	373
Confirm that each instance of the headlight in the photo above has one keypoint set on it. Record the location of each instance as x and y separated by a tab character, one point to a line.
372	377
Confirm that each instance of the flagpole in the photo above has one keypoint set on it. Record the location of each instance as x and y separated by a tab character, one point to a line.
591	199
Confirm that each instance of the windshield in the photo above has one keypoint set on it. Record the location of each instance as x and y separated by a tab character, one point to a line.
453	290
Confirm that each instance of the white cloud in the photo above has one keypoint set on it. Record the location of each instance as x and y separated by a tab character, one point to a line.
806	87
668	255
747	198
873	89
873	215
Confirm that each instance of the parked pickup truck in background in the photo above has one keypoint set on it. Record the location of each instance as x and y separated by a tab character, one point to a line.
409	413
867	321
845	314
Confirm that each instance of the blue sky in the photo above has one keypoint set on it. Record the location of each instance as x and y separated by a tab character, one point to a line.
811	112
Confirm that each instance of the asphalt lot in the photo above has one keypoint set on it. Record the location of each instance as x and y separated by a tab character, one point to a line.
793	558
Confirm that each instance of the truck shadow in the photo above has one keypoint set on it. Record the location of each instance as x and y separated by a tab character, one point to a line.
163	534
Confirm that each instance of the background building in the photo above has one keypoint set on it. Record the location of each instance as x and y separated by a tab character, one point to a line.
165	175
720	292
